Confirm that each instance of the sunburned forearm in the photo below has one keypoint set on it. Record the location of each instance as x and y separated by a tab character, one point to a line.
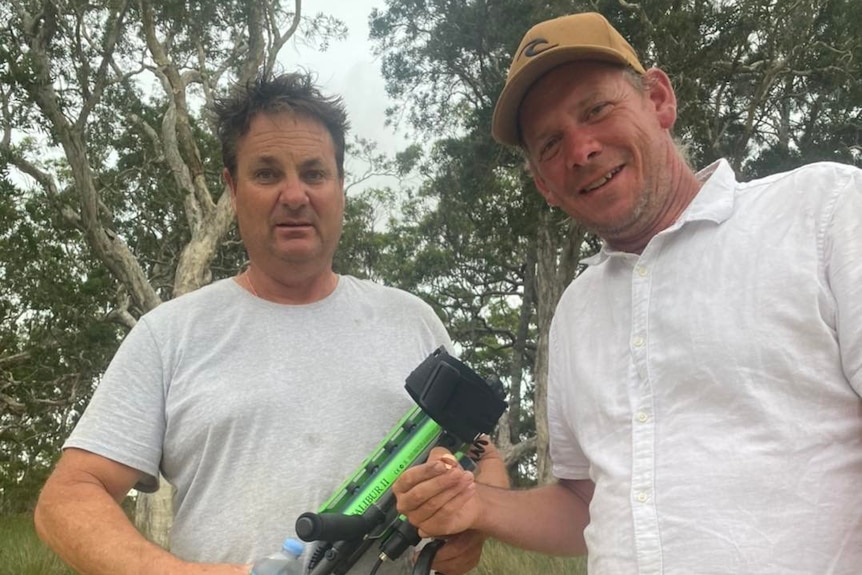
548	519
79	516
87	528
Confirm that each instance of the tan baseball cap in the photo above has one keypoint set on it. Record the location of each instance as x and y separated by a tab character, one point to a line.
587	36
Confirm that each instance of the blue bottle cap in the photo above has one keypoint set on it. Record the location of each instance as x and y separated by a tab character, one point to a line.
293	546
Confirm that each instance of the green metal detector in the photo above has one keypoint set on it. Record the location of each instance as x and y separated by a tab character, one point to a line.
454	407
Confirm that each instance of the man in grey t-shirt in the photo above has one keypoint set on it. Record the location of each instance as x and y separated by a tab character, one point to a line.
257	395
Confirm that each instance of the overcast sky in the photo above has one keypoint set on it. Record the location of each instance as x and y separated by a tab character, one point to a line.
348	68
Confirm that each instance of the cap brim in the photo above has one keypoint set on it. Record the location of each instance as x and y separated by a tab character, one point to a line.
504	123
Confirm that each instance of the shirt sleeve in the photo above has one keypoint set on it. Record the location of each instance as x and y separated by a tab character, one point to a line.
843	266
436	331
569	461
125	419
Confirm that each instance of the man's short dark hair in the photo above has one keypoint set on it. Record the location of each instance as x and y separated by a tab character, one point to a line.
294	93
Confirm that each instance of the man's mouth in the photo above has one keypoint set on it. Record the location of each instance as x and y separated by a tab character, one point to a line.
294	229
602	181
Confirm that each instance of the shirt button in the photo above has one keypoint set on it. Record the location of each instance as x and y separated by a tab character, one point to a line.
638	341
642	497
642	271
642	417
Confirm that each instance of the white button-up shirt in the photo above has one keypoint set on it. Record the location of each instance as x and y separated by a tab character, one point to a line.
710	387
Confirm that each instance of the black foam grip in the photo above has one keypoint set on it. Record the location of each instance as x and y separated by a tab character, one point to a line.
330	526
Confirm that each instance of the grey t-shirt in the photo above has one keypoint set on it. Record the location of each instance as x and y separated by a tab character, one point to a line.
254	411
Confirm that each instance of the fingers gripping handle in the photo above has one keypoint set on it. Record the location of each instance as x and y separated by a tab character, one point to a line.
399	540
402	538
426	557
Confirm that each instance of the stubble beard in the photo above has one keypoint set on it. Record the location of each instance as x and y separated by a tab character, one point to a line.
625	226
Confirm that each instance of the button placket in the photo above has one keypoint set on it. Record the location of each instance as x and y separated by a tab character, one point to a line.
643	423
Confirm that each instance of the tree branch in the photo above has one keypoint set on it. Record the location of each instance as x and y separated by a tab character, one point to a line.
115	29
194	171
107	246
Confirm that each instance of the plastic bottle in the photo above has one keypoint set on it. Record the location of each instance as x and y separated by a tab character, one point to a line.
285	562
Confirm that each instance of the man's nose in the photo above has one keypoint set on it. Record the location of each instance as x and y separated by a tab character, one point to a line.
293	192
581	146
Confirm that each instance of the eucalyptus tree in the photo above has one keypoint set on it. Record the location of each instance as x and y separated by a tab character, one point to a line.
104	117
485	247
53	343
769	84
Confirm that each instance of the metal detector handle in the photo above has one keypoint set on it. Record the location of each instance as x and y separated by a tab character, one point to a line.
333	526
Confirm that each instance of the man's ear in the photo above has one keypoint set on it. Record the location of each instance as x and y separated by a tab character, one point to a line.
661	95
542	187
228	180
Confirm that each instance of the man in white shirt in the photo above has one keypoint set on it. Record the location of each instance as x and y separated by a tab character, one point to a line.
706	367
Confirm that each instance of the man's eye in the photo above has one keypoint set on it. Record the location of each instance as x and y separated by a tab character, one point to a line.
598	110
549	148
315	175
265	175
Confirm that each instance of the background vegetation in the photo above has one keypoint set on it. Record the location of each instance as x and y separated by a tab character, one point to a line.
21	553
110	199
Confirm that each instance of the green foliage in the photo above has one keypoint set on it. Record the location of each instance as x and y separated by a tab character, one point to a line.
54	338
768	84
468	239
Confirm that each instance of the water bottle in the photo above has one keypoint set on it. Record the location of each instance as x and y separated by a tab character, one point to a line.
285	562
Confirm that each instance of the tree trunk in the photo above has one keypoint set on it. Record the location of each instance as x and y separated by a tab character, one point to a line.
558	256
508	441
154	514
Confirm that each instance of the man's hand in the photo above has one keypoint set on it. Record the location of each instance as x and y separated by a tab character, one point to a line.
491	469
437	497
460	554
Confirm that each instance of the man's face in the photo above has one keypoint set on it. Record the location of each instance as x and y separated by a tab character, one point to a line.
287	194
598	147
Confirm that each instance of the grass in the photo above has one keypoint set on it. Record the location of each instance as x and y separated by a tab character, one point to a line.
22	553
500	559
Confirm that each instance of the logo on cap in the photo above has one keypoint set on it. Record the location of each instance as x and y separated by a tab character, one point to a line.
536	47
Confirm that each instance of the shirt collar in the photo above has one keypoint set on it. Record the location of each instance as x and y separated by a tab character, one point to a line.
714	202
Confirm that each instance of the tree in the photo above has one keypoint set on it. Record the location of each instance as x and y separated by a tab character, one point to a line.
503	268
767	84
104	111
53	342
